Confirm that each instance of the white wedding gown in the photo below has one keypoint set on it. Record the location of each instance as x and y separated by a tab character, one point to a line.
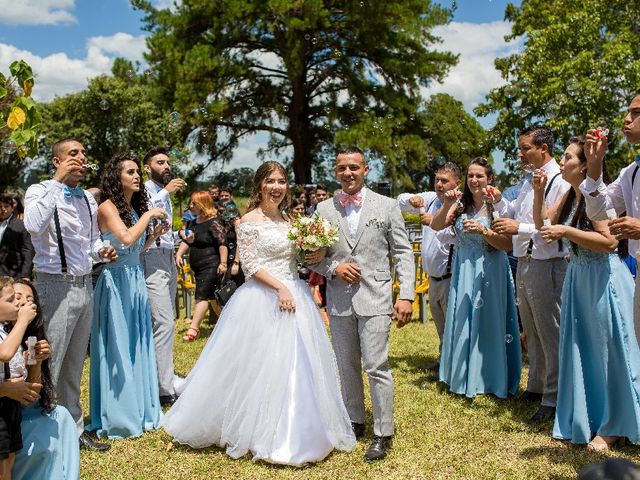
266	381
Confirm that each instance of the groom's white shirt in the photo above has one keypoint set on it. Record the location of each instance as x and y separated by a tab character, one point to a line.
353	212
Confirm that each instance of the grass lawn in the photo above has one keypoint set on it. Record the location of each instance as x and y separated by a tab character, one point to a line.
438	435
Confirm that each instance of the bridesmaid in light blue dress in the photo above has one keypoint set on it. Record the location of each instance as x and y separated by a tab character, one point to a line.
124	398
480	347
599	377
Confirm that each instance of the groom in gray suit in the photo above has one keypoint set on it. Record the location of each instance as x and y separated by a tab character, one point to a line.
359	298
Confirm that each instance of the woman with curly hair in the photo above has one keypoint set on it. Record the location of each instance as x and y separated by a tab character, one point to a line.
50	448
124	398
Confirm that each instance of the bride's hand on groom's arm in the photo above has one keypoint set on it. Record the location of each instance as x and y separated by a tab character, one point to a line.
315	257
402	311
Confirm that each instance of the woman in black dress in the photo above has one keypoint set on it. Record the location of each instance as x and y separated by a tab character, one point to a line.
207	245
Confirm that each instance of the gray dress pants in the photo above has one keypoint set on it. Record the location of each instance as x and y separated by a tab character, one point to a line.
359	339
162	282
67	305
539	286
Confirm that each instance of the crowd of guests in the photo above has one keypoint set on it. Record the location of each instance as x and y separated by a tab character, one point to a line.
571	304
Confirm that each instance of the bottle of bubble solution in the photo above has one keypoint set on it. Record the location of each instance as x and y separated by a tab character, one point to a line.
106	244
31	350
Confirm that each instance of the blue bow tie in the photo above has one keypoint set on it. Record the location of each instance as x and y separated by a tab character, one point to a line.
637	160
528	176
437	204
72	192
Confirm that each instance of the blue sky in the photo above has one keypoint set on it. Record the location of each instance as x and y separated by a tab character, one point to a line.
67	42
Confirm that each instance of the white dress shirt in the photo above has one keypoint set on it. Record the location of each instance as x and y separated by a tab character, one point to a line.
160	198
521	209
435	253
623	195
80	234
353	214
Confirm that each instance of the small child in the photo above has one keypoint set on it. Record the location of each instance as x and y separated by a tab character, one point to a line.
12	365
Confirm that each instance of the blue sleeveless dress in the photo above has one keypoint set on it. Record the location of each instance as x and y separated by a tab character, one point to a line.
598	382
481	343
50	445
124	398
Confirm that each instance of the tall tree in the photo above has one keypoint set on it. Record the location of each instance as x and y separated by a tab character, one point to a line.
114	114
298	69
579	67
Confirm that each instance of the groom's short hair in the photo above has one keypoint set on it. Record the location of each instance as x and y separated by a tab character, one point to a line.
350	151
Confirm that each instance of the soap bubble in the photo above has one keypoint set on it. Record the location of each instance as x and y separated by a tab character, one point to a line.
510	91
9	147
508	338
174	119
104	105
478	303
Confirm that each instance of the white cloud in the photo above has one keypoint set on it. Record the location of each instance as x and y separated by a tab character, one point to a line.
58	75
120	44
478	44
37	12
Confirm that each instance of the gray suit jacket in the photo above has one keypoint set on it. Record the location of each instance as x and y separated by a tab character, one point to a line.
381	236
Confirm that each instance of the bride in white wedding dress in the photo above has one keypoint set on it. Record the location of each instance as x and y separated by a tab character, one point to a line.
267	380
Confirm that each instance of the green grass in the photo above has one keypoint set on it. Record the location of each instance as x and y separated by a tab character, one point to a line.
438	435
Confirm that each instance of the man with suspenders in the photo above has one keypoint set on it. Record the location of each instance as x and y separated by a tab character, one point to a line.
62	220
436	256
541	270
623	195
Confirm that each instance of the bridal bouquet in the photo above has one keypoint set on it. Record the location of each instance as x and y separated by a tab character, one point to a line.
312	233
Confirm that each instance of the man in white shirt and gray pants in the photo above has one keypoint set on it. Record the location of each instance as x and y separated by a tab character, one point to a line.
62	220
541	270
436	255
160	269
623	195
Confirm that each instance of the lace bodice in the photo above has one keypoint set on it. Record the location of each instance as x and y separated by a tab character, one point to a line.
266	245
471	240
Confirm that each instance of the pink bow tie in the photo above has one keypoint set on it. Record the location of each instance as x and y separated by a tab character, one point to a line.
346	199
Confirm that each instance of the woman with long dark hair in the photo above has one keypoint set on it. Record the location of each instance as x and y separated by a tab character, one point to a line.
207	247
268	365
599	375
124	398
49	433
480	347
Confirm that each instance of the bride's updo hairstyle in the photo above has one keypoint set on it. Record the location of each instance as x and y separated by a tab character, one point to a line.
263	172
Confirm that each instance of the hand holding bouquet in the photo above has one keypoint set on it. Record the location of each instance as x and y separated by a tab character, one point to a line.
312	233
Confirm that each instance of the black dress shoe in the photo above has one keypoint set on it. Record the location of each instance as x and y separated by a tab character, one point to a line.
167	400
543	415
528	396
431	367
89	443
358	429
378	448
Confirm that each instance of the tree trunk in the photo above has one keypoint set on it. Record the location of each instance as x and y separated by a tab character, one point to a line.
300	134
